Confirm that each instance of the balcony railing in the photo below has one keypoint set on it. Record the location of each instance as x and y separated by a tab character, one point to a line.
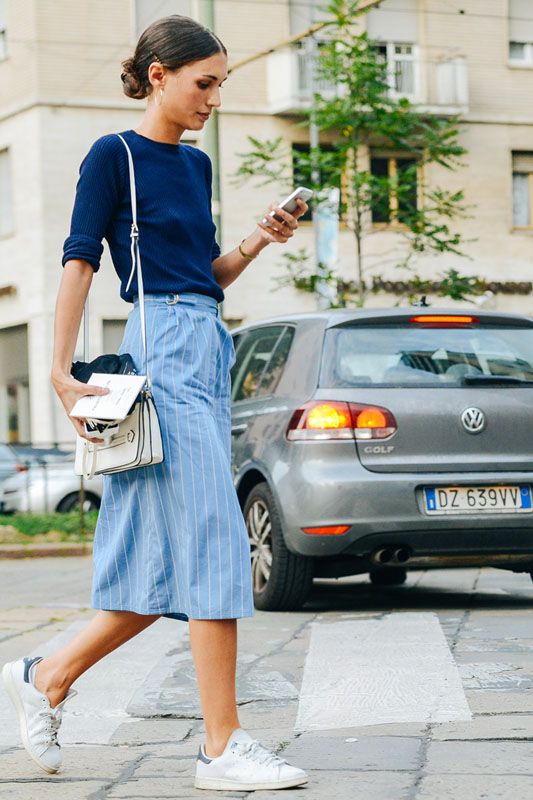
439	87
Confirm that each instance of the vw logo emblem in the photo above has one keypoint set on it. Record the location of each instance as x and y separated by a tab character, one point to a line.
473	419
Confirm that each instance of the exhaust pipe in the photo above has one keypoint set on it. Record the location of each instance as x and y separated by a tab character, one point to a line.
383	555
401	555
391	555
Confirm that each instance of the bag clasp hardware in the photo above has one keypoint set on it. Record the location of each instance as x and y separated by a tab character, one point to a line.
175	299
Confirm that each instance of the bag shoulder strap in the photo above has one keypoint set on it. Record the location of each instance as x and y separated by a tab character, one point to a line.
136	255
135	266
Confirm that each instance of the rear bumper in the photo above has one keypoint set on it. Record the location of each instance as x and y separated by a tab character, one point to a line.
388	508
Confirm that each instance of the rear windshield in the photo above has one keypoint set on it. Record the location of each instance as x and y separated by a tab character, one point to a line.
405	355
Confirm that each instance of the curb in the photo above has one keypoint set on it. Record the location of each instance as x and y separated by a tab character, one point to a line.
45	550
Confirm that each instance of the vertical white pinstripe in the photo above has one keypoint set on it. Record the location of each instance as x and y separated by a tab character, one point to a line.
151	476
185	505
172	540
203	372
210	342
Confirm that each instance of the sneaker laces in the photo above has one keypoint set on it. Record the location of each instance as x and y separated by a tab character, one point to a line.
257	752
52	718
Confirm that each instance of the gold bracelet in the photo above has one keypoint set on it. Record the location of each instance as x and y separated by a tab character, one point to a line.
243	254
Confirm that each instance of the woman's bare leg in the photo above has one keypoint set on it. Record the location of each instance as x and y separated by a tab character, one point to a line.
104	633
214	649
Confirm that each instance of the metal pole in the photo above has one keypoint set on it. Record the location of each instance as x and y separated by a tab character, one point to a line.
314	142
210	138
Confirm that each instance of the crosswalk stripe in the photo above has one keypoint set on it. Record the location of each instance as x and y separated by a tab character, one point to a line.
397	668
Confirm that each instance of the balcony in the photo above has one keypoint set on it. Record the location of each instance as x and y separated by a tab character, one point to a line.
438	87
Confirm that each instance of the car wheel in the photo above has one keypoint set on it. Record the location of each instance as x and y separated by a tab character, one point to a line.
281	580
393	576
72	502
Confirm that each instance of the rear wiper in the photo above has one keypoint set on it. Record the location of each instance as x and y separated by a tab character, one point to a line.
472	380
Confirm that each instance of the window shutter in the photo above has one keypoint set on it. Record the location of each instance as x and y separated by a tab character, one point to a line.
520	21
6	196
523	162
393	21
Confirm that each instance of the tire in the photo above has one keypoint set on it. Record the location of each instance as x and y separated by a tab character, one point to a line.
72	502
393	576
281	580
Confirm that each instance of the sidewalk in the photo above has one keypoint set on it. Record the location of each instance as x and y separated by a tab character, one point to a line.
145	747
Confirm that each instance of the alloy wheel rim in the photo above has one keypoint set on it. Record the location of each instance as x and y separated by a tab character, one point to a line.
259	531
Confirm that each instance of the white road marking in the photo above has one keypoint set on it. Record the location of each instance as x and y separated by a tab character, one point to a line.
105	690
397	668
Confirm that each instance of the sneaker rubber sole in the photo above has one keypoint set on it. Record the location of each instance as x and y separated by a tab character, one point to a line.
19	706
226	784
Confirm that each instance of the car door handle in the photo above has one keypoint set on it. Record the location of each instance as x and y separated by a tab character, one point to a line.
236	430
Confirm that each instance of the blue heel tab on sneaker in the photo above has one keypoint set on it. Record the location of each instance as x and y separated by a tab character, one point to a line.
28	663
201	756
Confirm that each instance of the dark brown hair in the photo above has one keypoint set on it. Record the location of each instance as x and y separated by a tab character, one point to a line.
174	41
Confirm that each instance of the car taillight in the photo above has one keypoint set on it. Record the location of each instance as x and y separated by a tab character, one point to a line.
331	419
21	468
444	320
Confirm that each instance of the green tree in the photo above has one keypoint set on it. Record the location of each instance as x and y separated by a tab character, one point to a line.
362	113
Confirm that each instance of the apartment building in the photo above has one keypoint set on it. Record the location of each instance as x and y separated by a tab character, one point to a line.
59	72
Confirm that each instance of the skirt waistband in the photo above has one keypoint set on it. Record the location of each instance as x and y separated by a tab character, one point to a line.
183	298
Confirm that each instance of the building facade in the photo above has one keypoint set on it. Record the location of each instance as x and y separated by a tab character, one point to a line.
61	90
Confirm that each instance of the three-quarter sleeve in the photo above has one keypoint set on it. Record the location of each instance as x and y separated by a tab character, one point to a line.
99	189
215	248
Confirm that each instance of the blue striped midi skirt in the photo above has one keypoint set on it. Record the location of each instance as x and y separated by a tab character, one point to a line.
171	538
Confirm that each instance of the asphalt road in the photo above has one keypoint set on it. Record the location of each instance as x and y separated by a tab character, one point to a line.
417	692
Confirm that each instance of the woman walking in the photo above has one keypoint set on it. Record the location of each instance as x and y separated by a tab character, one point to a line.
170	539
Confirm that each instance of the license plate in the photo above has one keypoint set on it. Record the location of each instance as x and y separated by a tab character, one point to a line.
490	499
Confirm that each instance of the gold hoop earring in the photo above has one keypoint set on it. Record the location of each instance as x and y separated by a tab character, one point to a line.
159	97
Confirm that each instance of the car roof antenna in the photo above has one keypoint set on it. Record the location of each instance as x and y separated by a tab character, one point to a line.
423	303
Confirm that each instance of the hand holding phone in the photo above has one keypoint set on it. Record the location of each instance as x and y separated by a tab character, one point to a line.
290	204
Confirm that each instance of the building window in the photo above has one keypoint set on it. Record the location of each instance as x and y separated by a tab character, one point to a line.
301	171
397	197
3	29
521	53
523	190
6	195
14	385
521	32
401	72
147	11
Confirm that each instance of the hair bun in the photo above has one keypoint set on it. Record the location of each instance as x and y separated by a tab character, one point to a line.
131	84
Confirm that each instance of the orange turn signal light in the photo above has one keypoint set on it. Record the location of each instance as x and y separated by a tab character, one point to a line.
328	530
371	418
329	415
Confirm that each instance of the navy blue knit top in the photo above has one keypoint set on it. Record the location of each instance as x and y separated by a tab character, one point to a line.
176	228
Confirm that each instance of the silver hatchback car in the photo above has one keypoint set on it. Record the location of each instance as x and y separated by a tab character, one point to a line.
382	441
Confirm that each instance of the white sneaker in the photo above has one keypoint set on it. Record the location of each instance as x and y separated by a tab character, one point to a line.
39	722
245	765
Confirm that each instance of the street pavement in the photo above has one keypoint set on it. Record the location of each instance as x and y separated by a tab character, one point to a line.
419	692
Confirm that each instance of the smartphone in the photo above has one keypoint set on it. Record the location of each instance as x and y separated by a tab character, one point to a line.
289	204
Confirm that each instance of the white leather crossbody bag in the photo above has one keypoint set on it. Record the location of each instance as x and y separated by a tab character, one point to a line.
136	440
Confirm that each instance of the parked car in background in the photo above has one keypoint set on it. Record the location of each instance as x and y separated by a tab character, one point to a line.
8	462
15	457
382	441
49	486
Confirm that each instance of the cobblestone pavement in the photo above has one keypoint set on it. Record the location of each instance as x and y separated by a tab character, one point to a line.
135	727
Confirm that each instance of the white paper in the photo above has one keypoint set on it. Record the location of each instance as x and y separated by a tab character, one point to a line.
116	404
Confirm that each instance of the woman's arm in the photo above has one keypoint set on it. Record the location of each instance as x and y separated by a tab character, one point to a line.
228	267
74	287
